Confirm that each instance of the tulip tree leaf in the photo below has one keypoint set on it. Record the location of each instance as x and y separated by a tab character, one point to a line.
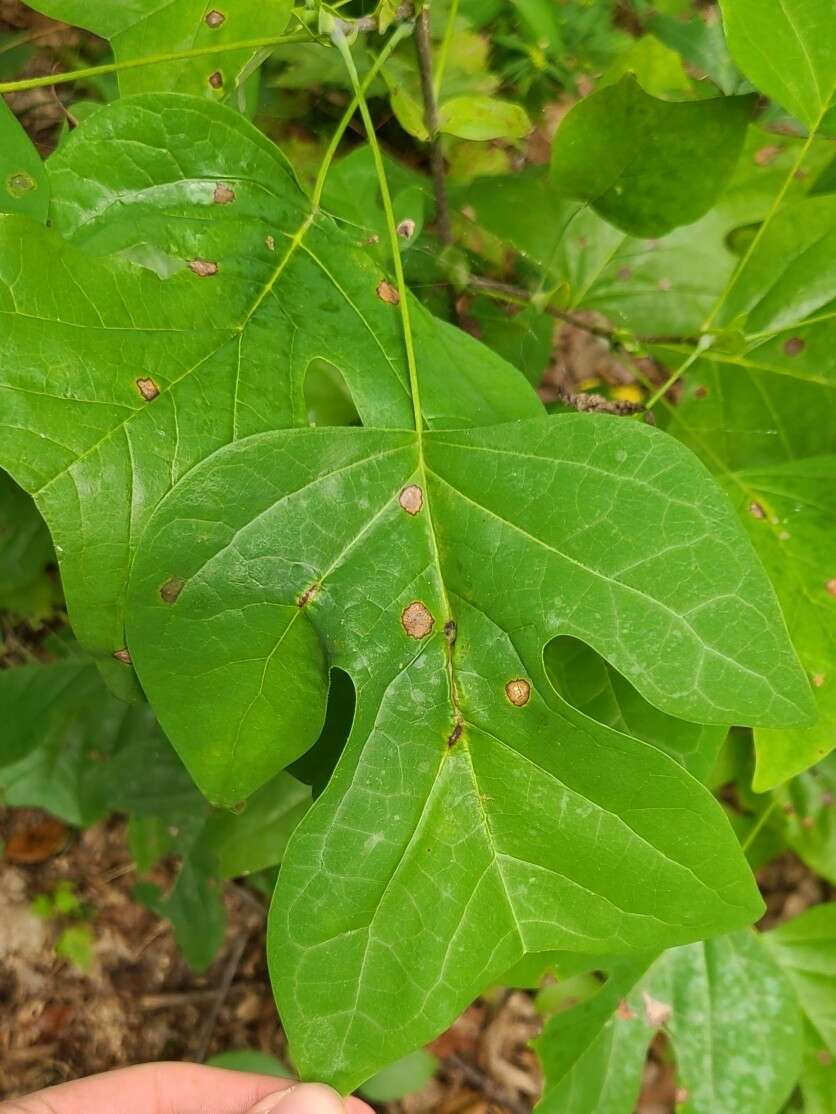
639	161
116	381
433	571
780	466
23	184
725	1005
787	50
144	28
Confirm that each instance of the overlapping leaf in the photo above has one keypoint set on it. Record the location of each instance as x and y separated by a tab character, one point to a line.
728	1009
760	419
145	28
787	50
639	161
116	381
433	571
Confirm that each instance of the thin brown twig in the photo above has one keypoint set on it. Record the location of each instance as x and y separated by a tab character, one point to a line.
423	49
233	962
488	1088
518	295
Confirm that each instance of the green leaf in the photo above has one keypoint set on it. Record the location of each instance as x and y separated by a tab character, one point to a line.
725	1006
806	949
639	161
483	118
702	44
584	679
808	821
23	184
227	350
404	1077
25	550
780	466
787	51
483	752
145	28
250	1060
257	837
76	945
409	112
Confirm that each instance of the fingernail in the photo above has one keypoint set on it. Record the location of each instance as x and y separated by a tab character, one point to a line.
305	1098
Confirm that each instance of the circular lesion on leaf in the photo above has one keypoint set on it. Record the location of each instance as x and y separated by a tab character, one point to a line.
214	18
411	499
417	620
20	183
148	389
223	195
518	691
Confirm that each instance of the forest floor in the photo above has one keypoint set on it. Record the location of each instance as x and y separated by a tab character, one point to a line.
139	1001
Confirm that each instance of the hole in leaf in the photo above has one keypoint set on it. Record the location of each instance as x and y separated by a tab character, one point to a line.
315	767
328	400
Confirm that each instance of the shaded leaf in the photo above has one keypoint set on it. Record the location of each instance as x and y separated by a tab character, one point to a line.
638	160
404	1077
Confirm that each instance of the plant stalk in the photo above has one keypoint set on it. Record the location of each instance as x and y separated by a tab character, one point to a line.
423	48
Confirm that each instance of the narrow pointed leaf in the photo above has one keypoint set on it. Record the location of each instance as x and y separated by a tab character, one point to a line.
787	48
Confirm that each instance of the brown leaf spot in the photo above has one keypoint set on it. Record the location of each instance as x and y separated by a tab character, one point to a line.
223	195
765	155
416	620
794	346
215	18
756	510
582	242
451	631
123	656
455	735
701	392
624	1011
148	389
308	595
827	798
656	1013
830	587
203	267
824	1057
406	229
808	822
665	285
411	499
216	80
818	680
680	1095
387	293
172	589
271	243
624	274
518	692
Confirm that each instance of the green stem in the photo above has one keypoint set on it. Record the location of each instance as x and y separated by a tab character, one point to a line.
773	209
756	829
703	344
444	49
400	32
386	197
149	60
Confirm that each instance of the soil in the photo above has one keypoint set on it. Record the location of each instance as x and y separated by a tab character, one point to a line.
139	1001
